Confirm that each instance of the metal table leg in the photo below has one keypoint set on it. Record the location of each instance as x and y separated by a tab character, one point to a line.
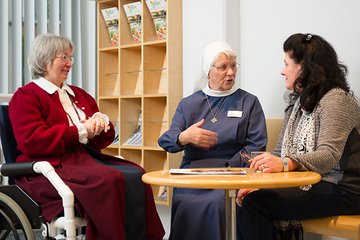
230	206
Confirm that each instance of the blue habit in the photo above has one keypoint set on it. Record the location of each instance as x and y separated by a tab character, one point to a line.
200	213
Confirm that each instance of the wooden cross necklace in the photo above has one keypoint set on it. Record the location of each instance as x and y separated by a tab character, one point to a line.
214	119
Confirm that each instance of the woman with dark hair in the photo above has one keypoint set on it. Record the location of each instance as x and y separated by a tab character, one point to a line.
320	133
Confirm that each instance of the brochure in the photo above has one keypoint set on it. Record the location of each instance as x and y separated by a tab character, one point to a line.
111	17
157	9
208	171
133	14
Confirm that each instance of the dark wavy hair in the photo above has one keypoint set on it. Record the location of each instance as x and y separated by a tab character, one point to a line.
321	70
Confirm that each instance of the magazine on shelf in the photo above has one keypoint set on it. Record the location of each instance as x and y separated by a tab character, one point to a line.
116	128
136	138
133	14
162	195
208	171
111	17
157	9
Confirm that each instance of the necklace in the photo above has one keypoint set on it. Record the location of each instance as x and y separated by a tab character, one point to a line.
77	113
67	103
214	119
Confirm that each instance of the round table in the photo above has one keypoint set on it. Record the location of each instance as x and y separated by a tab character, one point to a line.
230	183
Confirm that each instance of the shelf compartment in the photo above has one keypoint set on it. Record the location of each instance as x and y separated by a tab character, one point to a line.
132	155
131	71
130	111
113	113
155	69
149	31
110	151
155	119
108	73
111	106
153	161
103	34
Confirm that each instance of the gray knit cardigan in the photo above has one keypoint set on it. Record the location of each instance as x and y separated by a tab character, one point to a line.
337	137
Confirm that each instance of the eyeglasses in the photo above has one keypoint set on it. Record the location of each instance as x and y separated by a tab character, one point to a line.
245	157
225	67
66	57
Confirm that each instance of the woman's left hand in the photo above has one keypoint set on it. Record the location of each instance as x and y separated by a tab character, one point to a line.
98	125
95	125
266	162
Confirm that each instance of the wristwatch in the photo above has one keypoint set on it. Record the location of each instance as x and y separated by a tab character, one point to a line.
285	164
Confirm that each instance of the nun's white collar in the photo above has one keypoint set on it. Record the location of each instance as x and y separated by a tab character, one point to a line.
215	93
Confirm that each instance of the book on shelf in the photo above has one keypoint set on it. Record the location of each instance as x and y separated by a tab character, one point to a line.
133	14
157	9
111	17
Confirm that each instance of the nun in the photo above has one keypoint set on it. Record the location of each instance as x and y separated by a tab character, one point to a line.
214	127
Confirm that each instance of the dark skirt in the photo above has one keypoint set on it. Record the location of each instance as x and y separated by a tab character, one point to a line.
198	214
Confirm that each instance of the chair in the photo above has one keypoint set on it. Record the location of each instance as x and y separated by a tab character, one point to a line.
344	226
18	212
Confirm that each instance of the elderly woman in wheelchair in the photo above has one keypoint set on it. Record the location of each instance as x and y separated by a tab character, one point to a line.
61	125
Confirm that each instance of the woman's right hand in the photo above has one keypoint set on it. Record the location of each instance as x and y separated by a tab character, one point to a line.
199	137
242	193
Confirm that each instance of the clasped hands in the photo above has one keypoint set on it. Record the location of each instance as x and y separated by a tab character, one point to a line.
195	135
95	125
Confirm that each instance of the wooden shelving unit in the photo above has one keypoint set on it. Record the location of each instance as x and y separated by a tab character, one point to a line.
141	82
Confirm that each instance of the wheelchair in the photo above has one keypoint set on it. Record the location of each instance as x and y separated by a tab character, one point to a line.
19	214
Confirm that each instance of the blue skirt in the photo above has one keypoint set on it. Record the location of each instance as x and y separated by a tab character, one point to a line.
198	214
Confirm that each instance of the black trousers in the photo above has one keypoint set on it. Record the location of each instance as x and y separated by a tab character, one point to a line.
255	219
134	201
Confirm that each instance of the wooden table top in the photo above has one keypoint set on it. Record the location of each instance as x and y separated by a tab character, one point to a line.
252	179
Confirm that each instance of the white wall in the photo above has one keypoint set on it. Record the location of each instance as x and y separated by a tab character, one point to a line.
200	27
265	25
262	26
257	29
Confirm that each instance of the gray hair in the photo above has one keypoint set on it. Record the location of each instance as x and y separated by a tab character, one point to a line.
228	54
44	50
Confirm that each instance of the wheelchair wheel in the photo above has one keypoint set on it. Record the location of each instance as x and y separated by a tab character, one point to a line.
14	223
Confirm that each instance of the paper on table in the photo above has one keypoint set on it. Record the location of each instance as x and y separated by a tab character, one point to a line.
209	171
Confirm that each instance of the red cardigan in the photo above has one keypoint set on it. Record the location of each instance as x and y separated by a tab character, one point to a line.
42	131
39	117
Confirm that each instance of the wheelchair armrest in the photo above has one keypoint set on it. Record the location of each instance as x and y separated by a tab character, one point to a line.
45	168
64	191
17	169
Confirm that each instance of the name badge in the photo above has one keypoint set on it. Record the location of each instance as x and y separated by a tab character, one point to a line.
237	114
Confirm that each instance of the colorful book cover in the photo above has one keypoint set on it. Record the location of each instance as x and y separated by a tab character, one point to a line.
133	14
111	17
157	9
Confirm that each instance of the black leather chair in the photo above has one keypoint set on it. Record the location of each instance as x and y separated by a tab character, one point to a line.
19	214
